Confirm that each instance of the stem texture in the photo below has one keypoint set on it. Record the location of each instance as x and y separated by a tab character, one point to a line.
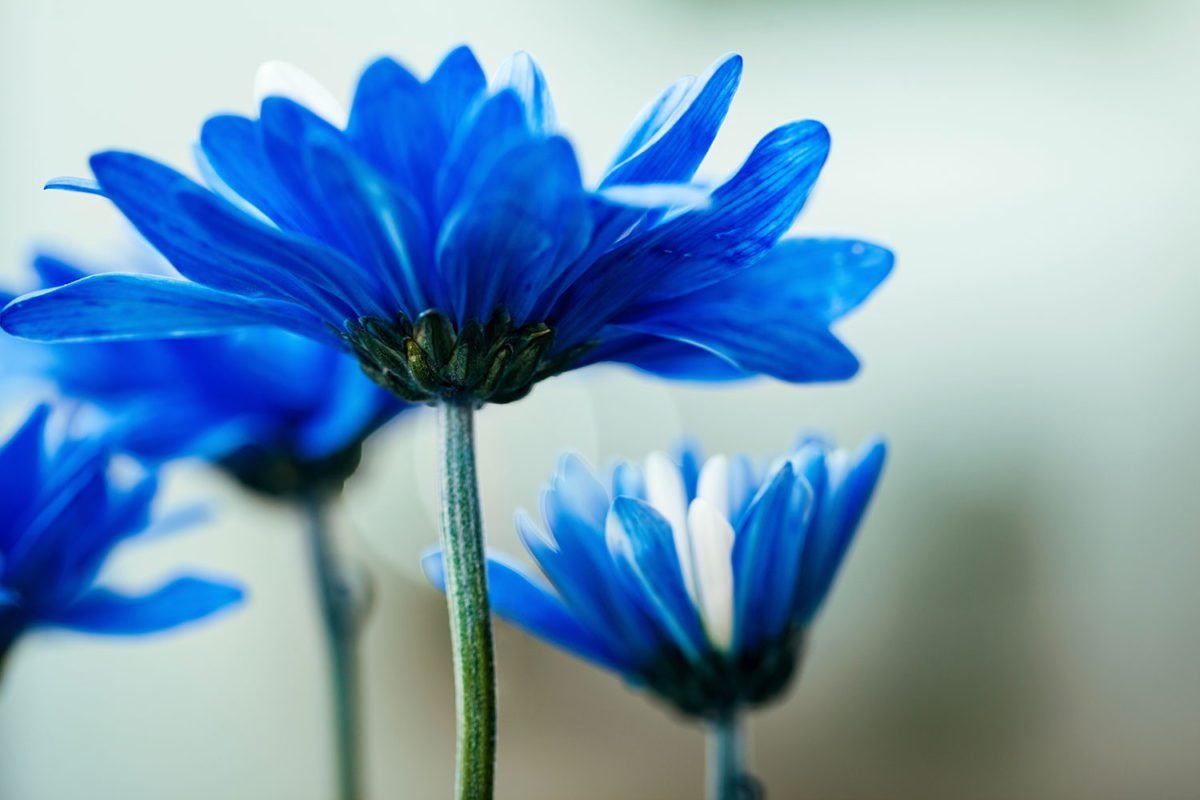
466	595
341	617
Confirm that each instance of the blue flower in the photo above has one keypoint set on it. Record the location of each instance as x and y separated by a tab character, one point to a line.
284	414
62	512
695	582
441	231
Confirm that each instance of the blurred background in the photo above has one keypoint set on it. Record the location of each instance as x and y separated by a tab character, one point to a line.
1019	617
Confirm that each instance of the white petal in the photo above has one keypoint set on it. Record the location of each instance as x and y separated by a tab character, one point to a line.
666	493
281	79
658	195
712	548
713	486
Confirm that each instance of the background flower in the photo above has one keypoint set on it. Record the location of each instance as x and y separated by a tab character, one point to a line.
282	413
696	580
442	231
62	512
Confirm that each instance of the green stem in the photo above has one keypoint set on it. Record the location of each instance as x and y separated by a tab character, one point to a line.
466	595
727	776
341	616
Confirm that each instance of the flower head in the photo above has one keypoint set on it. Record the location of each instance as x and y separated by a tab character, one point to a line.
442	232
282	413
695	582
62	512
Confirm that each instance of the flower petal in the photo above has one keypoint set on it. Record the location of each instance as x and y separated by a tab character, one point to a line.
114	306
771	317
522	74
503	244
657	195
641	543
711	538
749	213
454	86
673	134
70	184
281	79
395	126
852	481
753	548
179	602
523	600
213	243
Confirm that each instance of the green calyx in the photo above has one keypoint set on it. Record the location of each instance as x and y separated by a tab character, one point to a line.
431	361
718	686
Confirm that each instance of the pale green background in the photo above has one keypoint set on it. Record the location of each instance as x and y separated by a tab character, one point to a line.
1019	617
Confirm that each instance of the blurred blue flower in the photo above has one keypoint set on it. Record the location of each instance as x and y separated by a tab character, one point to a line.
441	231
62	512
695	582
286	415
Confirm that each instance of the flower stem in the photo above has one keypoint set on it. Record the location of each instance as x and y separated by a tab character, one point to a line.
466	595
341	614
727	778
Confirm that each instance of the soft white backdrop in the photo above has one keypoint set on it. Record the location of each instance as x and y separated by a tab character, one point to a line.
1019	616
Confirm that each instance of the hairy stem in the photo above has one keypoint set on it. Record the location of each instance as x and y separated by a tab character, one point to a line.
466	595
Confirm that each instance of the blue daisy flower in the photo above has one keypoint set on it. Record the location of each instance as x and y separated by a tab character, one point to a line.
282	413
62	512
441	231
696	580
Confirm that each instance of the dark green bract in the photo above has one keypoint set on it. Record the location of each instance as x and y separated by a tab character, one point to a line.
717	687
430	361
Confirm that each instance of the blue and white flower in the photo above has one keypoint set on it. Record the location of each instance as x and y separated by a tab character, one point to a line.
62	512
442	232
696	580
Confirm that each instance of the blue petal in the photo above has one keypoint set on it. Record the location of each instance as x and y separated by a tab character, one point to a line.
455	86
381	226
522	74
753	547
396	127
666	358
21	462
820	279
576	563
673	134
213	243
214	181
114	307
234	150
577	560
55	272
644	549
771	318
181	601
70	184
749	213
495	128
346	413
779	584
524	601
834	527
510	239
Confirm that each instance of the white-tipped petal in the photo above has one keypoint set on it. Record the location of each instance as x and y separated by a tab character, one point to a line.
712	547
713	485
666	494
281	79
